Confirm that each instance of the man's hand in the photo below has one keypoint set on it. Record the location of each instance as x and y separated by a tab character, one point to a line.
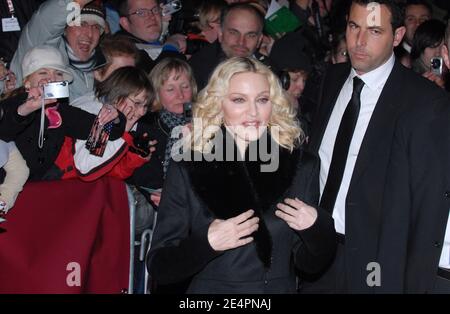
179	41
296	214
304	4
82	3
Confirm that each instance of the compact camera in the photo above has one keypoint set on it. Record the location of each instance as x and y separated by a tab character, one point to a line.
141	145
171	7
187	111
436	65
56	90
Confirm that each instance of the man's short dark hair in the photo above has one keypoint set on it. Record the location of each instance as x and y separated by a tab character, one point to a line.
123	7
398	14
420	2
244	7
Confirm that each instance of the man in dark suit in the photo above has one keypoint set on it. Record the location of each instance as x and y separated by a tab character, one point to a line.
352	135
240	35
414	249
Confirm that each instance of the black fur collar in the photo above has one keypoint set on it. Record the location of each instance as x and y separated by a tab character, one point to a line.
230	188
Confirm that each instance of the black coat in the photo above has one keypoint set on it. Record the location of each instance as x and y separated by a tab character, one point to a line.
23	11
363	213
417	198
195	193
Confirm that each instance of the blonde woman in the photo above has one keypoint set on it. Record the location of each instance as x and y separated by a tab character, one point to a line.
227	223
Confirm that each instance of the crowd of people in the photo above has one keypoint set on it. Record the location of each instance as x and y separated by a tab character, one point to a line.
284	163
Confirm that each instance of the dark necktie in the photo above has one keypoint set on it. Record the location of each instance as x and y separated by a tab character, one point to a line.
341	146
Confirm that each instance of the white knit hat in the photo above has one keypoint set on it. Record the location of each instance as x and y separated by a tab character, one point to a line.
45	57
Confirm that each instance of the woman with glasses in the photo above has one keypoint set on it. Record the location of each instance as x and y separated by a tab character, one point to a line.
128	90
175	88
142	23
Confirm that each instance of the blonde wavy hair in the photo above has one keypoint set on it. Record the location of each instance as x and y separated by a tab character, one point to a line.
208	108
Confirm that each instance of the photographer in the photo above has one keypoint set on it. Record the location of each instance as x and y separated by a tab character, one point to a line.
76	39
40	144
427	44
141	21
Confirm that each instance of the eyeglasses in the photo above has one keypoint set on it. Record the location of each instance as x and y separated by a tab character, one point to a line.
146	12
139	103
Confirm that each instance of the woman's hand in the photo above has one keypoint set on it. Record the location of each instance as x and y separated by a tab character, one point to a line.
34	101
10	81
129	113
227	234
296	214
107	114
155	197
3	70
438	80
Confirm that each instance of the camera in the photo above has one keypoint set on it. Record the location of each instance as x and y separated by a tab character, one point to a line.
56	90
171	7
187	111
141	145
436	66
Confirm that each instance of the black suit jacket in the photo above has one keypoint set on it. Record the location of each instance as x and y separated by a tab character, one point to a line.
366	191
417	197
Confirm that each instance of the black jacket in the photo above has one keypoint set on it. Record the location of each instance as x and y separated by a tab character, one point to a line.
23	11
363	212
76	123
151	174
417	197
197	192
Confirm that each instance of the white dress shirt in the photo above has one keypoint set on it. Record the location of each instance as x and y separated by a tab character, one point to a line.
374	82
444	262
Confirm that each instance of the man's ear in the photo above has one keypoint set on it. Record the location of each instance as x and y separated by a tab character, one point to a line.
398	35
123	21
445	56
260	41
220	34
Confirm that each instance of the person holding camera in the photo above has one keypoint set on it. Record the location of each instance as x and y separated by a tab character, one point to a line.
74	27
141	22
426	51
226	222
39	125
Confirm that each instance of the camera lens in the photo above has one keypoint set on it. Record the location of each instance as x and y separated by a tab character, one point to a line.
435	63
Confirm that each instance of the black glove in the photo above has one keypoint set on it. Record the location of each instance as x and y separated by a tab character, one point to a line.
141	145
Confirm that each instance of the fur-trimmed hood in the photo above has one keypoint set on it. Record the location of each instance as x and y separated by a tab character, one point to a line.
230	188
